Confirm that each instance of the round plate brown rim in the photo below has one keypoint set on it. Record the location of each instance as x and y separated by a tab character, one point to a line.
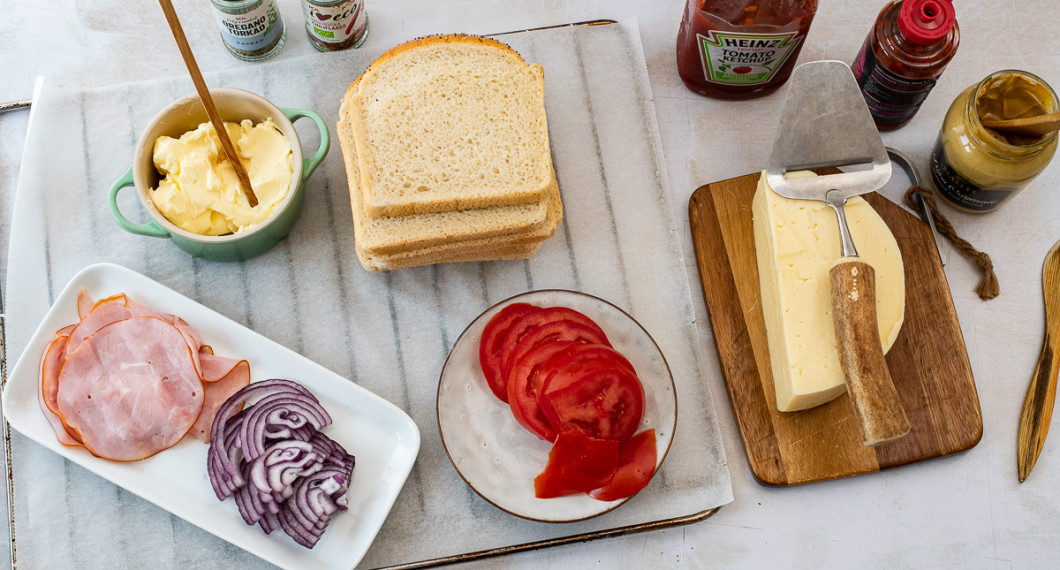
509	300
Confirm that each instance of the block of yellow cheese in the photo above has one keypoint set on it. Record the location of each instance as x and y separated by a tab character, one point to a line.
796	243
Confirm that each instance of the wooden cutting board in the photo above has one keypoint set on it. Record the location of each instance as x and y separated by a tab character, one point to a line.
928	362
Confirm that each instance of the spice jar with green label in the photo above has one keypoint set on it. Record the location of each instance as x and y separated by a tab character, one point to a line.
977	169
333	25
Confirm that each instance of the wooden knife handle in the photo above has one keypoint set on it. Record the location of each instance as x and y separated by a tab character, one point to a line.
876	404
1037	409
1041	395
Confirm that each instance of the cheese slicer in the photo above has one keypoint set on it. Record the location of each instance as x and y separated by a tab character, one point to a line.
825	123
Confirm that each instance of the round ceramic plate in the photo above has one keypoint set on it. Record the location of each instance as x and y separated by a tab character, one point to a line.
497	457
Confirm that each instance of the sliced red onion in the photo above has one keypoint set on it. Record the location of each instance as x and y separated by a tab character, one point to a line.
306	514
275	471
279	416
270	456
221	464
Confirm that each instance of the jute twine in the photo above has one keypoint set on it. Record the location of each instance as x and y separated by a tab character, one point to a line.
988	287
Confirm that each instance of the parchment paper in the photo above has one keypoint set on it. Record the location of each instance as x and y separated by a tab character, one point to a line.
388	332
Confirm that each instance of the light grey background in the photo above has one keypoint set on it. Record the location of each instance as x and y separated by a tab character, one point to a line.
961	511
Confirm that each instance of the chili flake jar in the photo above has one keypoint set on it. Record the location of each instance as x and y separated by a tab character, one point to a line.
977	169
252	30
334	25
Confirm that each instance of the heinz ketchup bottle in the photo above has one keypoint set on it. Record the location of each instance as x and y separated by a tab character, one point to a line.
739	49
903	57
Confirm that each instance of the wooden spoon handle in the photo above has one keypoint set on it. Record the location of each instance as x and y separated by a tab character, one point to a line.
870	387
1029	126
207	100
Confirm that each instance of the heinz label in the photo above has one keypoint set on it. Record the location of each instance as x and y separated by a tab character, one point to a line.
744	59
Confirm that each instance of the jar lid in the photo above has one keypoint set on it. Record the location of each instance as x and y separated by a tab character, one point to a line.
925	22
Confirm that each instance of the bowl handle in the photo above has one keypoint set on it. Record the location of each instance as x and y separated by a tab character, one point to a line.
310	164
149	229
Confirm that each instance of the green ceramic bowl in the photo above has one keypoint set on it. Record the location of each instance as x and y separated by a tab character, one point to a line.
186	114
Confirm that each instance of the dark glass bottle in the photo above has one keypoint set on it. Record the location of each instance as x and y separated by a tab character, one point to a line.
739	49
903	56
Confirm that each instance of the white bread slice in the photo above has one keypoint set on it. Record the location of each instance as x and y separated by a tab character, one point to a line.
447	123
402	233
416	259
517	246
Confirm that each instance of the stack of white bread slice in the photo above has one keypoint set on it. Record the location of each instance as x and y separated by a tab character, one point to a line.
446	148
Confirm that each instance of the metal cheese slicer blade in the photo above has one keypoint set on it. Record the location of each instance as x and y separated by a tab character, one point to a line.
826	123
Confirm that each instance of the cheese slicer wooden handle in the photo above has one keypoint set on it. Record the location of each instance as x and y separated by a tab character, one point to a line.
879	411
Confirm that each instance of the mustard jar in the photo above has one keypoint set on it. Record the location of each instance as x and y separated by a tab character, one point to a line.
976	169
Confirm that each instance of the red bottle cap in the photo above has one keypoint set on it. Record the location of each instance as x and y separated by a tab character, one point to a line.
925	22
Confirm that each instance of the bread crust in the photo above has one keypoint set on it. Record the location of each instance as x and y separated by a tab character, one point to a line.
468	234
431	40
388	236
383	198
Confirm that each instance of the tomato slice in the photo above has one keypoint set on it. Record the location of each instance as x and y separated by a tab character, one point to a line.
531	320
562	330
489	347
577	464
522	388
580	358
636	464
603	400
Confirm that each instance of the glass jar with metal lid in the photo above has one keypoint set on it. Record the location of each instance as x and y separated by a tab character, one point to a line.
977	169
252	30
334	25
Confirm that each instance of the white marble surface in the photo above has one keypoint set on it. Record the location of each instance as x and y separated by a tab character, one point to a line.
961	511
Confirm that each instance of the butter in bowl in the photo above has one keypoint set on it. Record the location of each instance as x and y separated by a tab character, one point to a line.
190	190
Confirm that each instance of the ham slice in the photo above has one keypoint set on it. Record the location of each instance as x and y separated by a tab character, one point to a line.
222	377
49	385
103	313
128	381
84	303
119	307
130	389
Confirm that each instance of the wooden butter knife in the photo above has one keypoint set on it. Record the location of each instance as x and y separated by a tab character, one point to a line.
1038	406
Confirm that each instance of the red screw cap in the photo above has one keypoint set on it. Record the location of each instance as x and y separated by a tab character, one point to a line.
926	22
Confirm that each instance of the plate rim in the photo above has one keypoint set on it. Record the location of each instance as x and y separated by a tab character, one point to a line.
511	299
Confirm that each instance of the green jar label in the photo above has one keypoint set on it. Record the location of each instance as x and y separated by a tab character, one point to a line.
744	59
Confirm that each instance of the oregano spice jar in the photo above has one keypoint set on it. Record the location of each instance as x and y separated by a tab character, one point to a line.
252	30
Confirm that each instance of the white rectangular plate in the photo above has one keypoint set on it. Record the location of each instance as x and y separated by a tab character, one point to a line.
383	438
